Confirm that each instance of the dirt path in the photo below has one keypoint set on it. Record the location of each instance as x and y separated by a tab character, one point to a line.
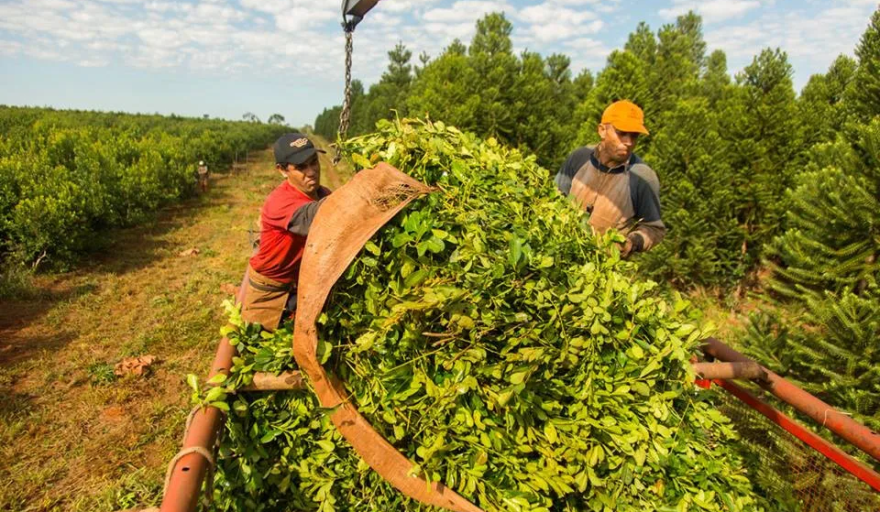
332	176
73	436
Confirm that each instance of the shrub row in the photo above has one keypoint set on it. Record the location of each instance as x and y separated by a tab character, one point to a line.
67	175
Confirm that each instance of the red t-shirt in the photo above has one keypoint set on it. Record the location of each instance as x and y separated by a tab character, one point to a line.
280	250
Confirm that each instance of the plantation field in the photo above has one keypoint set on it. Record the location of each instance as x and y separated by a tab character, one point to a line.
113	271
66	175
74	437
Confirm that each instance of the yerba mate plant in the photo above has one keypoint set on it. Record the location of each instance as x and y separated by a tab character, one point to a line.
498	344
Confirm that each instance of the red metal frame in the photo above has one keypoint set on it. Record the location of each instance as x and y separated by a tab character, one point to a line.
185	482
841	458
822	413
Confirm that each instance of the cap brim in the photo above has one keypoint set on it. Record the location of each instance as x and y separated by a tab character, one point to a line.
302	156
633	127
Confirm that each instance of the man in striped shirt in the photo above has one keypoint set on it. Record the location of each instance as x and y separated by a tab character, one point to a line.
614	185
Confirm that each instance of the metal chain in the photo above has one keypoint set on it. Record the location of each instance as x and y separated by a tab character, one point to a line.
345	115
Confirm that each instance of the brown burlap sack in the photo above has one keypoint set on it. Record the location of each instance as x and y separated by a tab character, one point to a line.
346	220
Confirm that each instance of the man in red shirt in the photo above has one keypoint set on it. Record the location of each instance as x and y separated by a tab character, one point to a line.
285	219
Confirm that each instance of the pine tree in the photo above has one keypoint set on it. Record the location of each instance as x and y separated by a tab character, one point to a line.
832	241
583	84
495	70
760	119
542	106
827	344
864	91
690	26
821	105
679	61
389	93
643	44
442	91
716	80
833	238
698	200
327	122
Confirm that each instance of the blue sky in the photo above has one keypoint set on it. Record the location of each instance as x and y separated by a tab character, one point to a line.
228	57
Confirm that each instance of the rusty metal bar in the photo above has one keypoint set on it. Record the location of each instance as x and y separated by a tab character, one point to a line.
182	492
857	434
838	456
727	371
270	382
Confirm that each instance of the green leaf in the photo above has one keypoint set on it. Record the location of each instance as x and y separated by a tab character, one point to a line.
217	379
650	367
269	436
550	432
401	239
223	406
324	351
415	278
515	254
636	352
641	388
435	245
372	248
359	160
215	394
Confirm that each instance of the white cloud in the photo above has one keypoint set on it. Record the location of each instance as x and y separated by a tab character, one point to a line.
93	63
549	22
156	57
822	35
404	6
386	21
465	10
167	7
712	11
548	12
232	35
587	48
9	47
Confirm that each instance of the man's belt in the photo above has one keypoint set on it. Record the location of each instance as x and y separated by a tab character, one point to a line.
270	288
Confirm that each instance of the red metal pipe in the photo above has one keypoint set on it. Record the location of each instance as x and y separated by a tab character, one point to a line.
185	483
859	435
844	460
749	371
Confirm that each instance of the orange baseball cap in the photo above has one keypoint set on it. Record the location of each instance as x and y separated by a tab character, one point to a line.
626	116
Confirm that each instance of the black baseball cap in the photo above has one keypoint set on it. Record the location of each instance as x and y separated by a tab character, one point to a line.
294	148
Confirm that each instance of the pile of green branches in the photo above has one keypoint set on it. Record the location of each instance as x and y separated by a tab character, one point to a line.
497	343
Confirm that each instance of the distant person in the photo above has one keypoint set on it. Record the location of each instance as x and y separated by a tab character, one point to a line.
614	185
285	220
203	176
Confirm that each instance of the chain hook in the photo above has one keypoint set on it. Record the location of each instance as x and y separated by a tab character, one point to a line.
348	25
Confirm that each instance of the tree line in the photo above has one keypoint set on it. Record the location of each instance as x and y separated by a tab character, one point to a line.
761	188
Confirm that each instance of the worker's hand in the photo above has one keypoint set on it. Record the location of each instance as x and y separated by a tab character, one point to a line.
625	248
